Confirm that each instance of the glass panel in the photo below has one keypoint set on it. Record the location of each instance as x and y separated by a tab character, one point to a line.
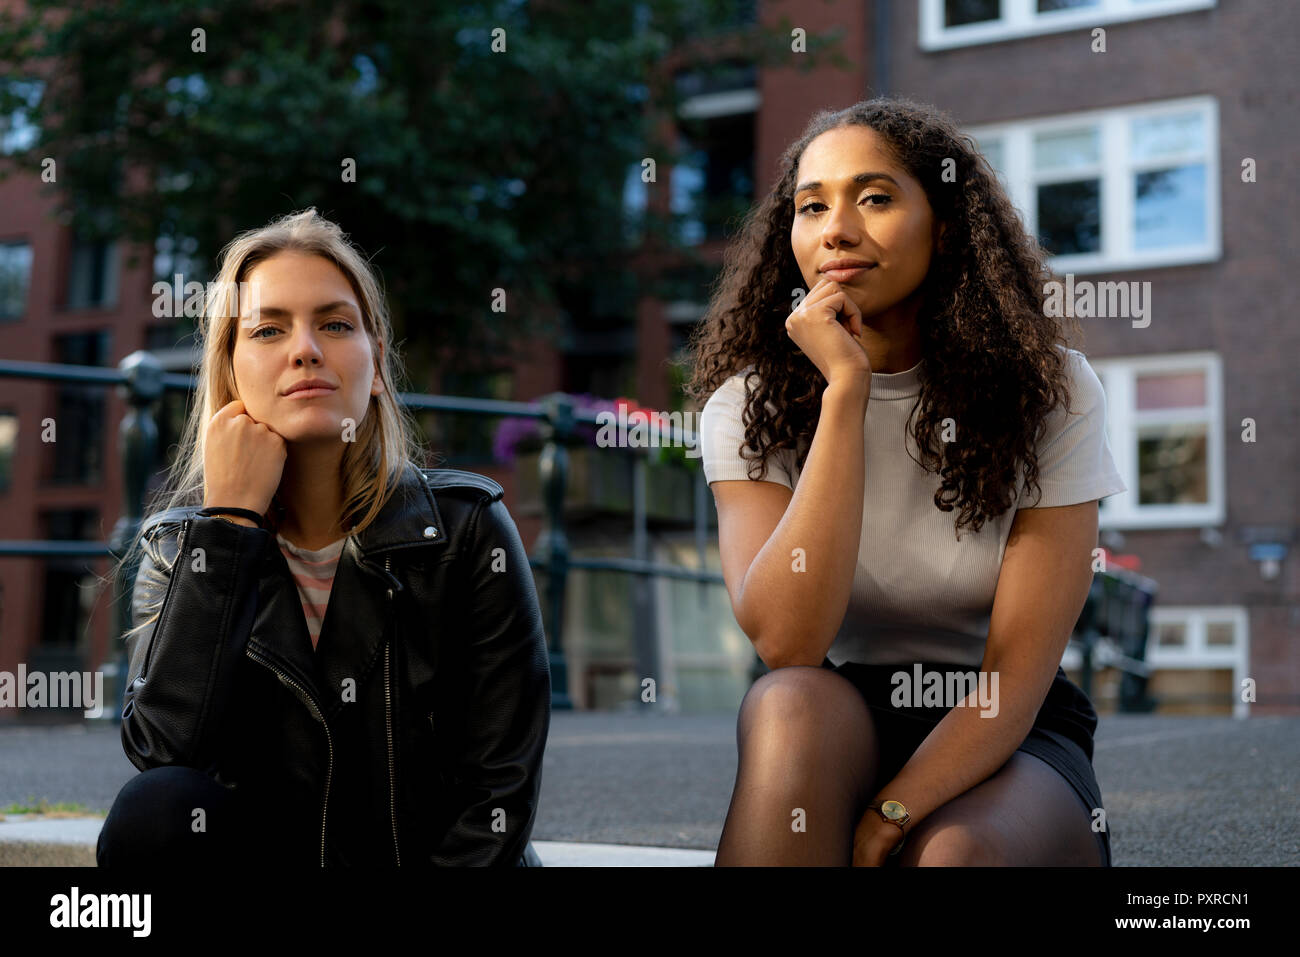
1067	149
718	186
687	184
1069	217
15	274
1046	6
17	131
635	196
957	12
1220	634
1175	390
78	453
1172	635
1151	137
8	440
1172	465
993	152
1170	207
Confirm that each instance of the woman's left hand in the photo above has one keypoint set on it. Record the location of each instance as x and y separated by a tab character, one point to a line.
873	839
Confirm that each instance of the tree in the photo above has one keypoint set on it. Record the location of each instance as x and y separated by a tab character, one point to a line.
491	141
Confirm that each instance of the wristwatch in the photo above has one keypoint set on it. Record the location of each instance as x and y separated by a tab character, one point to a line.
895	813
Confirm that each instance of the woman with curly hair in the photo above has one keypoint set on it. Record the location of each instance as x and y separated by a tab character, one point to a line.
915	711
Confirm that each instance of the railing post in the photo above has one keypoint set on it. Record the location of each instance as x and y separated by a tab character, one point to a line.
652	662
138	444
553	468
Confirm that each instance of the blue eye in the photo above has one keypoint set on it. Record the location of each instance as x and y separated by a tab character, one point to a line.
333	322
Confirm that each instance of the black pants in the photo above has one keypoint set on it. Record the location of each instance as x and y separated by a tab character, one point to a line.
154	822
177	816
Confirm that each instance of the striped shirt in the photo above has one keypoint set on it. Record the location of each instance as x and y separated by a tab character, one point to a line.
313	573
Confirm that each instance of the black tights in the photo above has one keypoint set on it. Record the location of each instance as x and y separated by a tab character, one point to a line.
809	755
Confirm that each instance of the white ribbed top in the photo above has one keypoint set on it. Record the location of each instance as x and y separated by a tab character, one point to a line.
918	593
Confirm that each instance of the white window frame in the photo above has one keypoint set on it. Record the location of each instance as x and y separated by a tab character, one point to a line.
1195	655
1020	18
1117	173
1118	379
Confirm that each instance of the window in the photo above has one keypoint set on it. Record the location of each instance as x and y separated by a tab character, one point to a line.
78	449
713	179
1165	421
1199	657
15	278
1199	639
713	184
1106	190
957	23
635	201
19	99
178	254
69	592
92	274
8	443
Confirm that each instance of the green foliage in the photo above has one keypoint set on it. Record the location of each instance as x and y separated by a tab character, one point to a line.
475	169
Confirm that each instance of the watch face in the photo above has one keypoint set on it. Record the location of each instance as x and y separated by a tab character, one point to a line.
892	810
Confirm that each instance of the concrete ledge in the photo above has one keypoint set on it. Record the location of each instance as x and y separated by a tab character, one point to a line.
568	854
35	841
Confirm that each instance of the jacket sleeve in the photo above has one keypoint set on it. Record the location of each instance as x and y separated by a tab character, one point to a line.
508	700
204	586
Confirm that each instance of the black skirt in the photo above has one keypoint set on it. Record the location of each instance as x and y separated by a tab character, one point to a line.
1061	735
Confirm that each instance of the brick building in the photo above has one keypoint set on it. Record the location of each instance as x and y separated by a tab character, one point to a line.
1162	159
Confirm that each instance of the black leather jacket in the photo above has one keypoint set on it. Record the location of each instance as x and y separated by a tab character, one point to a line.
412	735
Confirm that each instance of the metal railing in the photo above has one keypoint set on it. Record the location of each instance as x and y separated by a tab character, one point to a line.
143	381
1112	629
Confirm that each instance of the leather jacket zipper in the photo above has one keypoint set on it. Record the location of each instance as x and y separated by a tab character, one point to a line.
286	680
388	722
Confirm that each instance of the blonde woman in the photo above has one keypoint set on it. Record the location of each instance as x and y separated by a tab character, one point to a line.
337	656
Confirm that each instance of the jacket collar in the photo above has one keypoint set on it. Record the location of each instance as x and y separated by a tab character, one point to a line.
358	617
409	517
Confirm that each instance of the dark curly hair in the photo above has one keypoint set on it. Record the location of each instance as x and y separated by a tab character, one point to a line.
988	348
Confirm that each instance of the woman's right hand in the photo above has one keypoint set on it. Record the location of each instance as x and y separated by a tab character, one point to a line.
817	328
243	460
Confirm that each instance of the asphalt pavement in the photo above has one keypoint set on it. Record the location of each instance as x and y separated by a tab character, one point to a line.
639	789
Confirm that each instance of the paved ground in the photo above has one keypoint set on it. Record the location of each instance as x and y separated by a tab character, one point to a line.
1178	791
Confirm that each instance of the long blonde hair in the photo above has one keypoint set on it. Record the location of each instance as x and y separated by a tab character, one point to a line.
387	439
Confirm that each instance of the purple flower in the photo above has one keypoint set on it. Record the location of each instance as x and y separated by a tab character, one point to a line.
514	430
